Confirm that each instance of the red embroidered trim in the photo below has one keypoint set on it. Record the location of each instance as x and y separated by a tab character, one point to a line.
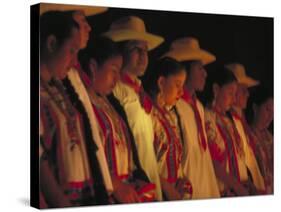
85	78
102	124
145	100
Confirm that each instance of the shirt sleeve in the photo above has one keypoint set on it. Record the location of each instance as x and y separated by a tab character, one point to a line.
211	131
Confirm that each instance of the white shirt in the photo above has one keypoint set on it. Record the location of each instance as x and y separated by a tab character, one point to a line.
250	158
197	163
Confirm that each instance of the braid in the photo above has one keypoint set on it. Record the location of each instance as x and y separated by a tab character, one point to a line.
91	148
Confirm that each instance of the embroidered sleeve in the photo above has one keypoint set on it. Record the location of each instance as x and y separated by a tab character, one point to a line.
215	150
41	131
47	123
160	147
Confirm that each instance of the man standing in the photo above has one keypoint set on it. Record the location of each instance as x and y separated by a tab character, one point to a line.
135	43
242	95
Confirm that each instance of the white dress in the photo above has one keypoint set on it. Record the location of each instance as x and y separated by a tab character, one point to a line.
197	162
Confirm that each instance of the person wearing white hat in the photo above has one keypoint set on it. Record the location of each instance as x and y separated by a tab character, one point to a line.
75	78
197	162
130	33
256	183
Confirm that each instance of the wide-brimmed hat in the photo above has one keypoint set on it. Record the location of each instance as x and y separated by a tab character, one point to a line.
188	48
132	28
88	10
240	74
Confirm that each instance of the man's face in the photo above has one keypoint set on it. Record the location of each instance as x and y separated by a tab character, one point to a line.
242	95
197	76
137	57
84	26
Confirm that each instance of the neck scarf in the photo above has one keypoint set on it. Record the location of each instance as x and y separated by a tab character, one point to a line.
192	101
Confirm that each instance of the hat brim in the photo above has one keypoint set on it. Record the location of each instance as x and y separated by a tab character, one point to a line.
248	81
88	10
123	35
187	55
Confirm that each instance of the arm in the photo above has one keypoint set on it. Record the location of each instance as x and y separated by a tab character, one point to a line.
169	190
50	188
229	181
123	192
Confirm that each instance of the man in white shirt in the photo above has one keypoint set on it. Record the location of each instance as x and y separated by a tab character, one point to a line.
242	95
135	43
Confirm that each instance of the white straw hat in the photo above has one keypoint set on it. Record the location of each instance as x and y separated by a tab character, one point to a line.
186	49
240	74
132	28
88	10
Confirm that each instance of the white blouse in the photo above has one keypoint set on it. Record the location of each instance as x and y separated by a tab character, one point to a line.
197	163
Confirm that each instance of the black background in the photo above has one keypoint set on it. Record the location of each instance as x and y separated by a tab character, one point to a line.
243	39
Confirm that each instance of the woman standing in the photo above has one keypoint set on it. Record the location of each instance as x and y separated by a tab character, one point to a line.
261	116
166	87
65	176
102	62
223	139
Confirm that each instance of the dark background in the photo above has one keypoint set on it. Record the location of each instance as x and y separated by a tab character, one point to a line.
243	39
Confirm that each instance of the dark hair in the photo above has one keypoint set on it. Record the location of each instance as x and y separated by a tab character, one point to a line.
91	147
259	95
98	48
57	23
163	67
221	76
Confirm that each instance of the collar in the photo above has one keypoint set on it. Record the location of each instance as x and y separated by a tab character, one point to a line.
190	99
85	78
134	83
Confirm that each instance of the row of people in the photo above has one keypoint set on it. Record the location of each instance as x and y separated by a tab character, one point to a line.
107	139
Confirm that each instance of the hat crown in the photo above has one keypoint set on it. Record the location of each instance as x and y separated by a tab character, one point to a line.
87	10
132	23
237	69
186	43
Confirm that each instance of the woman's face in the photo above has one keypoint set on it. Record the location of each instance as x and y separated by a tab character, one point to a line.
84	27
106	75
225	96
171	87
197	76
137	57
265	113
242	96
65	56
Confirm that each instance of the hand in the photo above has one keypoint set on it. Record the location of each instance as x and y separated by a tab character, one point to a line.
184	187
170	190
125	193
240	190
